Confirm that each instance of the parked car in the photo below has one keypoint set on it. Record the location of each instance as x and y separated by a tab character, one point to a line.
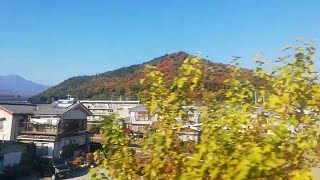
54	167
6	176
136	148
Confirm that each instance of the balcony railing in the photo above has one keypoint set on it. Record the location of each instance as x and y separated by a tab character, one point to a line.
49	129
40	129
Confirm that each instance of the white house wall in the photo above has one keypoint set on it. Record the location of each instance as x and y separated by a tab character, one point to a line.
189	136
49	145
5	133
119	107
54	148
124	111
77	113
134	121
81	140
14	127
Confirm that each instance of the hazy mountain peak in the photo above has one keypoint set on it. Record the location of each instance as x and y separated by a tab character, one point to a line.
17	85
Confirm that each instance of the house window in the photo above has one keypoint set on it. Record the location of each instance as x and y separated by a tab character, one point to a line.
82	124
141	128
1	123
142	116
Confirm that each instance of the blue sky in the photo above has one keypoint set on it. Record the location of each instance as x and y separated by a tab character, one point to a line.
50	41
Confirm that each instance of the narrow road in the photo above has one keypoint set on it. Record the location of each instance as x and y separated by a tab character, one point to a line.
78	175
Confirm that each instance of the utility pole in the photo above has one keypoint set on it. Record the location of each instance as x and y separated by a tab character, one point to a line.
255	97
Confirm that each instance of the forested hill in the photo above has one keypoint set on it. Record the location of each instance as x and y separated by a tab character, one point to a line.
124	84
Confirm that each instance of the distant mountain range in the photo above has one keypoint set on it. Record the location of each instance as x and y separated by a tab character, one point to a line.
16	86
124	84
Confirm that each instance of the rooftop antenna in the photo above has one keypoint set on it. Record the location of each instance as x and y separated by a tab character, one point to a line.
198	52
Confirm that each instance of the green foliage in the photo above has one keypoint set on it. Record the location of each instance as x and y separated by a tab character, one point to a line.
95	128
236	141
165	153
117	157
260	146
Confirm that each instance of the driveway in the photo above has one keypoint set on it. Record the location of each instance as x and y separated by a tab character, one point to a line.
77	175
86	175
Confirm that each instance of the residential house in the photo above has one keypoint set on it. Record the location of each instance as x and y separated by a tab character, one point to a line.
101	109
12	119
191	125
57	128
190	132
139	119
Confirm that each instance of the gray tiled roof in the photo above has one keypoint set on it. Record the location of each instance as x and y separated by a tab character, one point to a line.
53	109
44	109
19	108
138	109
126	120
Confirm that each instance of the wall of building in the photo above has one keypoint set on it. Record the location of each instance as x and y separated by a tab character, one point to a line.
10	129
5	131
138	128
139	123
104	108
12	153
44	148
77	113
49	148
15	125
190	136
76	116
11	159
124	111
134	120
80	140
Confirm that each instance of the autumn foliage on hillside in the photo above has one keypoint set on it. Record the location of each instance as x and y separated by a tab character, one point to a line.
124	82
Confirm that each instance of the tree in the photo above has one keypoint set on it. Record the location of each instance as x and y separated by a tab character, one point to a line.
237	142
260	146
163	147
117	157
